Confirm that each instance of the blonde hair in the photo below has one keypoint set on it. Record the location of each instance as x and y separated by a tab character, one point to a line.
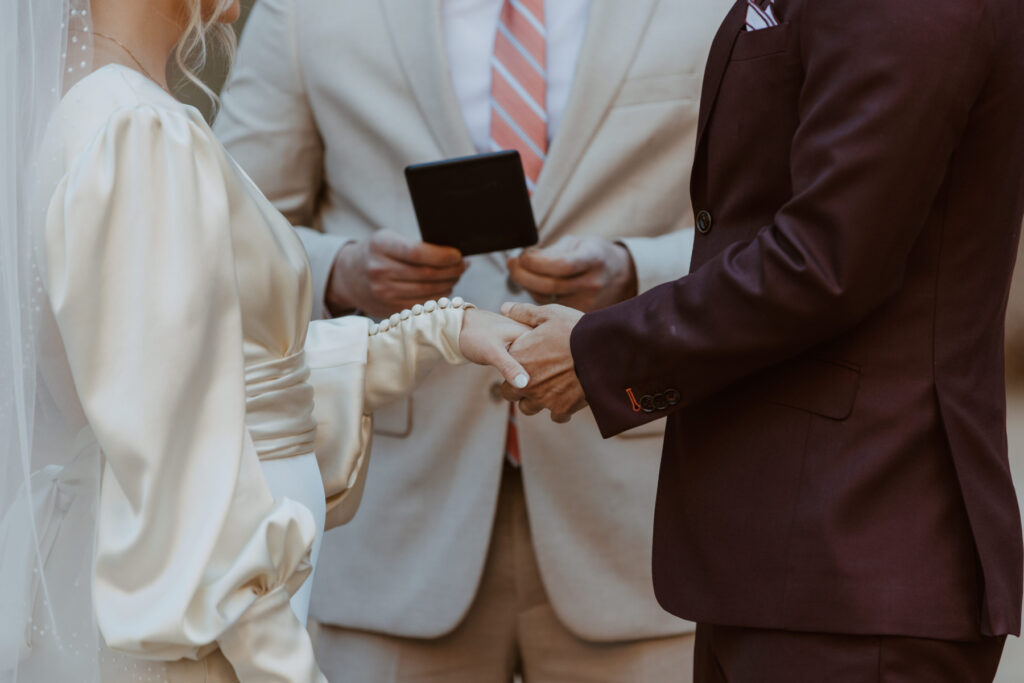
201	34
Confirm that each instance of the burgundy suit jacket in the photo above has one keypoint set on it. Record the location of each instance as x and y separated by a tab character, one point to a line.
832	367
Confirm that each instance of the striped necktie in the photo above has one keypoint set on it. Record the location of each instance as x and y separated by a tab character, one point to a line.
519	115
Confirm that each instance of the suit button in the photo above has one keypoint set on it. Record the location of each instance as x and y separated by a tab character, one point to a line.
495	391
513	286
704	222
647	403
673	397
660	402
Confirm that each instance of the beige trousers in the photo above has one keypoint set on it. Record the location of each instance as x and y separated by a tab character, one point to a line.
511	629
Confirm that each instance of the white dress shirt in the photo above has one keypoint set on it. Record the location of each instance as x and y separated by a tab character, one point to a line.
469	29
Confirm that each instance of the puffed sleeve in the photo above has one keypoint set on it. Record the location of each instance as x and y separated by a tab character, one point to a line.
192	549
357	366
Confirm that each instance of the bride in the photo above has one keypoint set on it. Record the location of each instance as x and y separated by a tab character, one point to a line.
180	434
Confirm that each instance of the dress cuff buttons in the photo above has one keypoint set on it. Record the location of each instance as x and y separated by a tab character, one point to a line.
396	319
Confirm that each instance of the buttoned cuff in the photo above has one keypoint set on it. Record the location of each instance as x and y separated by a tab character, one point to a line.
402	349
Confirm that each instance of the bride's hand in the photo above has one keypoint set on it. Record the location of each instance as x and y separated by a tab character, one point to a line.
485	339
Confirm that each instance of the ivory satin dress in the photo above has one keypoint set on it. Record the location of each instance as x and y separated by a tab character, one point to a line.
228	430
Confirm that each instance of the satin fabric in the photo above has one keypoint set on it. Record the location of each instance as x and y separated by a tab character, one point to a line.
180	307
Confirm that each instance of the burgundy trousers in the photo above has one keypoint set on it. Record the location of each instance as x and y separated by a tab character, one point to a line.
726	654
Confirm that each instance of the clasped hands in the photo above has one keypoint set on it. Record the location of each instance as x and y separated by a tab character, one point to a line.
528	344
583	272
530	347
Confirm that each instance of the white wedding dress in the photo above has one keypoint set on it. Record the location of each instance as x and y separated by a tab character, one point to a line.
226	431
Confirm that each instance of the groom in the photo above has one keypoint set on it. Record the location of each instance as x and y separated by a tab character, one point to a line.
834	500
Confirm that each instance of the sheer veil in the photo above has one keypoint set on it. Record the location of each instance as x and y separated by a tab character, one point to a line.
48	489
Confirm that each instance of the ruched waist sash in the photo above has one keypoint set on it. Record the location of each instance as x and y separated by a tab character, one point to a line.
279	408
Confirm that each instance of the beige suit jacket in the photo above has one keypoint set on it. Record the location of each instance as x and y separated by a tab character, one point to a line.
328	102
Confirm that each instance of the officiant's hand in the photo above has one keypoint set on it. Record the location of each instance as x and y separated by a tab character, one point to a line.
485	340
390	272
586	273
546	355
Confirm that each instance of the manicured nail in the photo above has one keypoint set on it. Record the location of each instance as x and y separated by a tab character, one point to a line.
520	381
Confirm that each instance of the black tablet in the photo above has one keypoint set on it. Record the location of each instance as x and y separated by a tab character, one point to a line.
476	204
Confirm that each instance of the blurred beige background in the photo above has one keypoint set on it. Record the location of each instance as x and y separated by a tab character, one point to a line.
1015	325
213	74
1012	668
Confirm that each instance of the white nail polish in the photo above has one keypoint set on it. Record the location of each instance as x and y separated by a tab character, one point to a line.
520	381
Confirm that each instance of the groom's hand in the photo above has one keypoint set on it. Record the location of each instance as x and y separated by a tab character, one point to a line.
545	354
586	273
389	272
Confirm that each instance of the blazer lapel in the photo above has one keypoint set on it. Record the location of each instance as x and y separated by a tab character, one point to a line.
614	30
418	38
718	60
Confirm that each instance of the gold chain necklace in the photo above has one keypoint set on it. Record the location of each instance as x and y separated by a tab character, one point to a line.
135	59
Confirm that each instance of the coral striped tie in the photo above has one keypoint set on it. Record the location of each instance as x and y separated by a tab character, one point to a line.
519	115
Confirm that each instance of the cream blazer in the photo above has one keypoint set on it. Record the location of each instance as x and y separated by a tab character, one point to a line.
327	103
178	345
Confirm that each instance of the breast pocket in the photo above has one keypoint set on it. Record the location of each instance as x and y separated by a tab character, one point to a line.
763	43
653	89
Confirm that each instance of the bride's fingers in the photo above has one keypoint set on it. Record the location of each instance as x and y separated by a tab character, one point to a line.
514	373
485	340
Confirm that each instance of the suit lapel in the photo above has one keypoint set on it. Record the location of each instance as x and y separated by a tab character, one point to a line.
416	33
718	60
614	31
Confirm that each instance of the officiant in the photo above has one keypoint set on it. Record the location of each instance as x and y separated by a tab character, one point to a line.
476	551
